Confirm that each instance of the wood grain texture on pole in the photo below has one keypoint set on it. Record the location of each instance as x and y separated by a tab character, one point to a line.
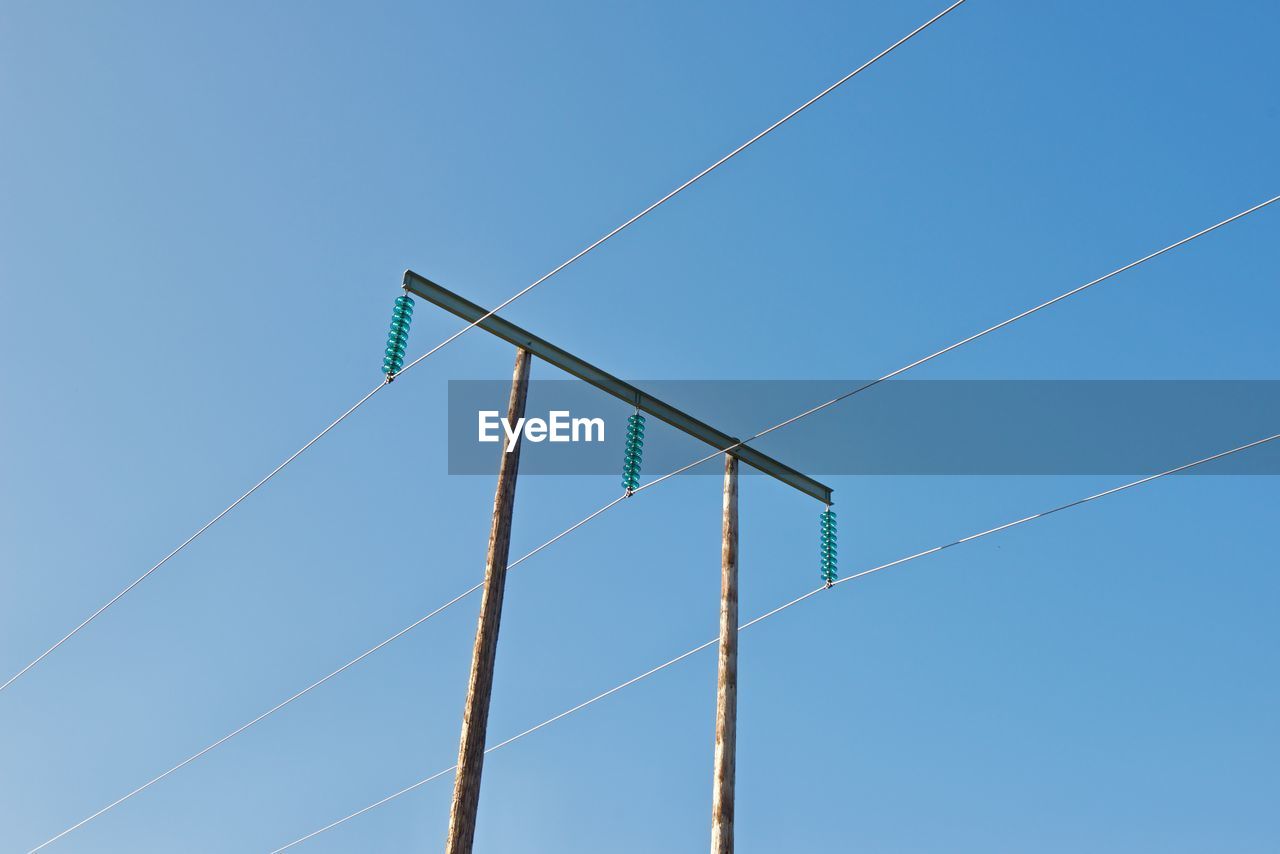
727	690
475	717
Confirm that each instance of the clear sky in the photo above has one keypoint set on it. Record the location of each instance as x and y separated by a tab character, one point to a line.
205	210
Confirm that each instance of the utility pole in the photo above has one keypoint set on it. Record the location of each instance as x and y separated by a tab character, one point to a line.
471	752
475	718
727	690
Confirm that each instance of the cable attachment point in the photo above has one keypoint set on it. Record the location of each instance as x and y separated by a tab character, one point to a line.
828	546
398	336
633	453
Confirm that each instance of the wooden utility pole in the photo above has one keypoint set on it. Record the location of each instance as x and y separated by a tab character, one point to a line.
727	692
466	793
475	718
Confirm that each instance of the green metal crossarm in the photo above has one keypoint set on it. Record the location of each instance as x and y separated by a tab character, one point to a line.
606	382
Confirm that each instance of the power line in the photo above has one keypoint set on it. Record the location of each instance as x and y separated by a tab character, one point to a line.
918	362
572	259
316	684
189	540
530	287
658	480
705	172
900	561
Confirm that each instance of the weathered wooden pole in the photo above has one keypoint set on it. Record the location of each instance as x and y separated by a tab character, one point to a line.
475	718
727	692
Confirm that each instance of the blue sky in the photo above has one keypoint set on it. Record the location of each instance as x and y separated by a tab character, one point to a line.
204	215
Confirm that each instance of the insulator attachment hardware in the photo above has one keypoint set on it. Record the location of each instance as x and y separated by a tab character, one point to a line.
633	453
828	526
398	336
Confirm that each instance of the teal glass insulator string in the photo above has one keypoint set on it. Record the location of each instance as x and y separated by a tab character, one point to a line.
633	453
398	336
828	546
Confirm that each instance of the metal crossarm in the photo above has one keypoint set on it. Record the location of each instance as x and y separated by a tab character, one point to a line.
608	383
